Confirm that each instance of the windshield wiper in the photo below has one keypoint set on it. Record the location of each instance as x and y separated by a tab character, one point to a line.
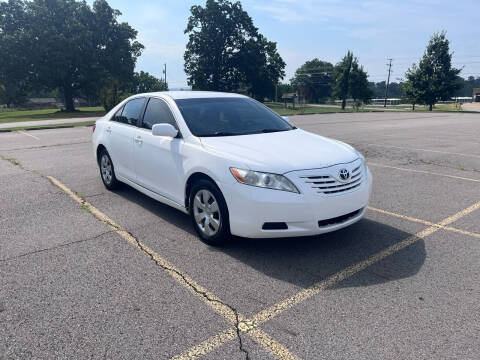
219	133
273	130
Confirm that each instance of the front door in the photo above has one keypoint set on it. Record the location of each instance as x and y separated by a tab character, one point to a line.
158	159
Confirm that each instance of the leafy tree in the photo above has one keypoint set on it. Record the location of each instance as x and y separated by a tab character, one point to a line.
112	93
260	67
350	80
15	55
71	46
283	89
436	78
225	51
359	89
314	79
117	52
143	82
342	78
411	87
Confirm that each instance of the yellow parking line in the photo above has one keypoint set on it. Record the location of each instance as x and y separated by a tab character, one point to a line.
25	133
425	222
426	150
354	269
208	345
277	309
272	346
265	340
207	297
422	171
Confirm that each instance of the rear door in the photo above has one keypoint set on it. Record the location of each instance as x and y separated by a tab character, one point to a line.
121	130
158	159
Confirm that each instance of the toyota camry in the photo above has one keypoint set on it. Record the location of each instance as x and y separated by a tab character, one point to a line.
232	164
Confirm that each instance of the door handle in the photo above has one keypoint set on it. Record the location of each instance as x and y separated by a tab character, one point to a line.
108	129
138	140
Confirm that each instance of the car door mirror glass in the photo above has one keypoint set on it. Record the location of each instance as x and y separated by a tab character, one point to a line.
164	130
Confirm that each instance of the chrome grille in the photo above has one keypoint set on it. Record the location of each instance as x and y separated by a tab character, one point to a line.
329	185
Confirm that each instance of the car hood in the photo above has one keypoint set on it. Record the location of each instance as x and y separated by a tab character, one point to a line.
283	151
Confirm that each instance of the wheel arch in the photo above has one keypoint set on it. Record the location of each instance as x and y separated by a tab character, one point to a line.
192	179
100	148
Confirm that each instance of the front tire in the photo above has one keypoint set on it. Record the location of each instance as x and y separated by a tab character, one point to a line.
107	171
209	213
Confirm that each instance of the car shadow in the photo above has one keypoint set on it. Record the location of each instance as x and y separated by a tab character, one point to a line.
165	212
304	261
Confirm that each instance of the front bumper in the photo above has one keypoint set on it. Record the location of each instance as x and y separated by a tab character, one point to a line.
251	207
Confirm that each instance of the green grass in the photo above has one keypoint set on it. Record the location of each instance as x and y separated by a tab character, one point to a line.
11	115
420	108
278	107
303	110
83	123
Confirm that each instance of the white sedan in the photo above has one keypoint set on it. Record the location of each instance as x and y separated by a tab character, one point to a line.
232	164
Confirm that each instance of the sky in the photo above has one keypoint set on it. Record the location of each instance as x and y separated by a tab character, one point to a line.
374	30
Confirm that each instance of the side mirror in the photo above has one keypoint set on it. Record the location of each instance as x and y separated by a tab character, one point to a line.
286	118
164	130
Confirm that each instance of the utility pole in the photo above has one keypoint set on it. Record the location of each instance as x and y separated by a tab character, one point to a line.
388	81
165	72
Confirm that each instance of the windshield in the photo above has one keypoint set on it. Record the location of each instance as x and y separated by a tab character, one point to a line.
229	117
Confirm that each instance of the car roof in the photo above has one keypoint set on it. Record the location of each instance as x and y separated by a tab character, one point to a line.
189	94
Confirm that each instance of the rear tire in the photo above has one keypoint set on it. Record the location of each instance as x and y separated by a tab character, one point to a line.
107	171
209	213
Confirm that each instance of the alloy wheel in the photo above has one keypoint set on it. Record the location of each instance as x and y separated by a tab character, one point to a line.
106	168
206	212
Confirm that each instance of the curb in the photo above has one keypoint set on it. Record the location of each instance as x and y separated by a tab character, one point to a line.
43	128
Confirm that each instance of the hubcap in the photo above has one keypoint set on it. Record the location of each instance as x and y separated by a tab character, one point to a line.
106	169
206	212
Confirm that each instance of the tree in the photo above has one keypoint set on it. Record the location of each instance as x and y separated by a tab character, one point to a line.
436	79
342	78
15	56
314	79
77	48
260	67
359	89
350	80
143	82
411	87
117	52
225	51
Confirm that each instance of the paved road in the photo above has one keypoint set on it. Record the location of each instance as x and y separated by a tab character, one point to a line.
401	284
46	122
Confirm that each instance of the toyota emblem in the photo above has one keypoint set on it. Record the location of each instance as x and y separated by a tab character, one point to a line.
344	174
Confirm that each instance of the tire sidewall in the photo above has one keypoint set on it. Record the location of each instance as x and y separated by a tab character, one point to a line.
223	234
114	183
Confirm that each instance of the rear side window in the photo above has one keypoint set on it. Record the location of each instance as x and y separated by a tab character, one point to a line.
158	112
131	111
118	116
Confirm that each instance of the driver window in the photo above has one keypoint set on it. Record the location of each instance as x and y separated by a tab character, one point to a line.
157	112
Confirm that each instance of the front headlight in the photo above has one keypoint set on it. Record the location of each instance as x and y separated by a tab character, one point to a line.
264	180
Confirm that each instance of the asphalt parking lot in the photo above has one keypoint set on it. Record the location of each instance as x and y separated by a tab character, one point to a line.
87	273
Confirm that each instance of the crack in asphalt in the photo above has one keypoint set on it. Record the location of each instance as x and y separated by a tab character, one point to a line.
84	206
56	247
198	291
